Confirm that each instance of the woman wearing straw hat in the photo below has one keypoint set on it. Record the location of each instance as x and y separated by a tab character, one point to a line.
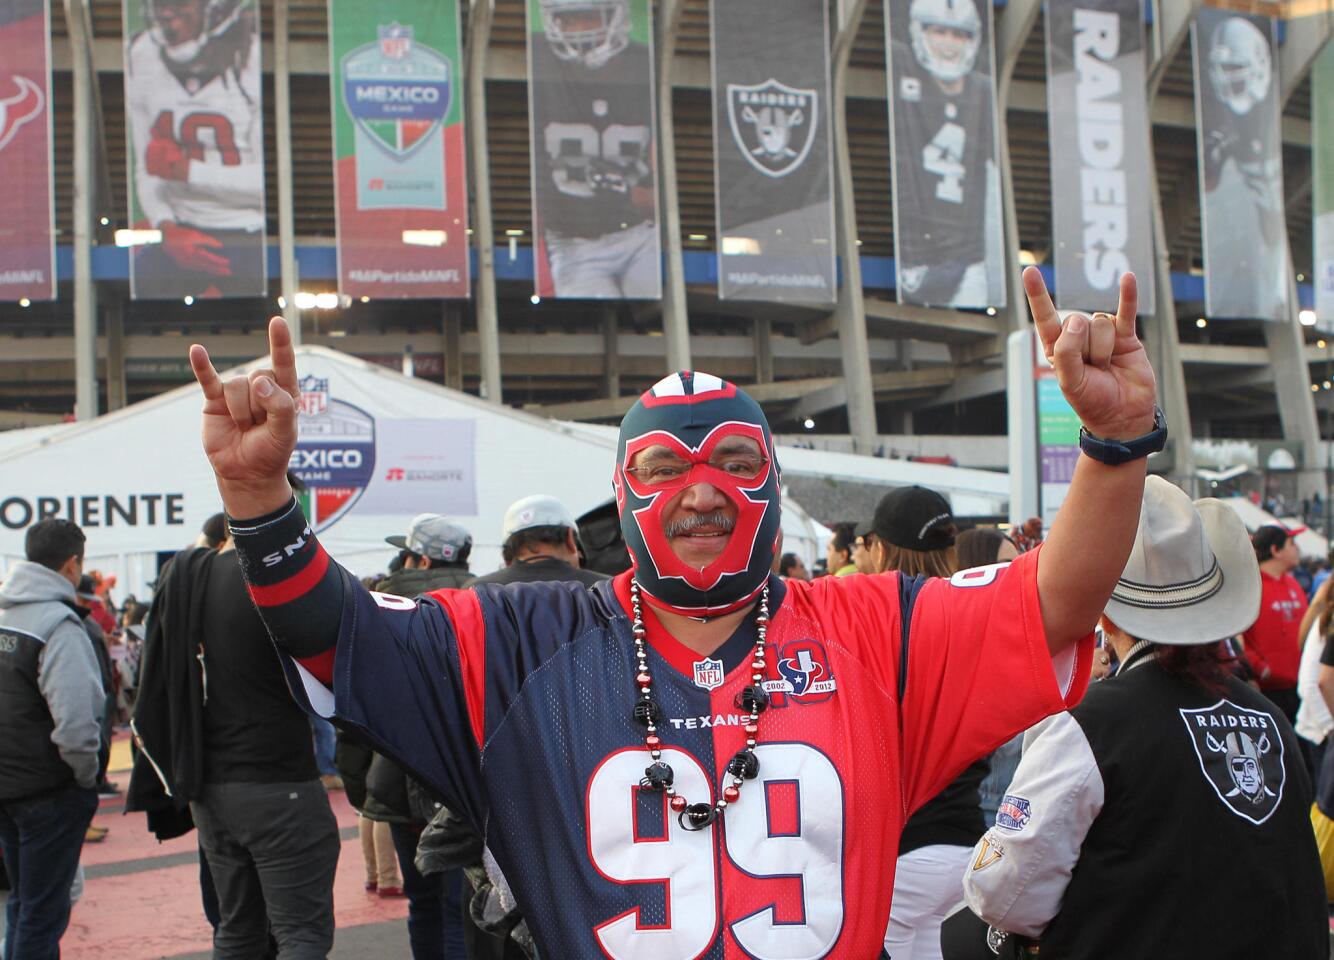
1165	815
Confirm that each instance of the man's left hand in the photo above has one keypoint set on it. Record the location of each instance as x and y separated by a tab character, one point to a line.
1100	363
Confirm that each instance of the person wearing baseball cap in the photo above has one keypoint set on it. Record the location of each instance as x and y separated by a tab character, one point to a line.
436	557
914	531
1171	788
1273	646
539	541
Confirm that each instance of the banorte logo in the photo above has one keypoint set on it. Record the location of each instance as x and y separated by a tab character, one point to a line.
21	100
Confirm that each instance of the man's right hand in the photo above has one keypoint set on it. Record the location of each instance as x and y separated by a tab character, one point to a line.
250	427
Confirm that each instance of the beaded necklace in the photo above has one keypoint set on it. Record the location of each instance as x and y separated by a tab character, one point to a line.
658	776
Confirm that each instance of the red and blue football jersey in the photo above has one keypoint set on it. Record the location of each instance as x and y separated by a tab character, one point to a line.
515	703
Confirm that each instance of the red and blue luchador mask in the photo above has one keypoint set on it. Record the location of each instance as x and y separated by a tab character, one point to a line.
693	416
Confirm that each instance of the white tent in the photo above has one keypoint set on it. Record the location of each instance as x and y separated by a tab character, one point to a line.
1310	544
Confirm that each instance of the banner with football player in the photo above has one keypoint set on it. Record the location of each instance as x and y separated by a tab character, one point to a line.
594	169
27	206
196	148
1243	228
1096	98
1322	172
948	230
772	150
399	154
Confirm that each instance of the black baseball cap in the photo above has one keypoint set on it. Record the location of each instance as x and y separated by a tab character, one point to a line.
914	518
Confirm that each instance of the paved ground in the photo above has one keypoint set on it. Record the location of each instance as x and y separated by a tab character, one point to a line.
141	899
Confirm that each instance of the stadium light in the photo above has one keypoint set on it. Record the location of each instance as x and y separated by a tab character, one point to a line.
1315	387
326	301
282	303
1201	323
1301	277
514	233
808	423
105	221
137	238
1320	344
305	301
991	311
365	299
25	302
1306	317
424	238
534	299
741	247
189	300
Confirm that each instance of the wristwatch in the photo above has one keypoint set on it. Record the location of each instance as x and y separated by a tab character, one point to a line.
1115	452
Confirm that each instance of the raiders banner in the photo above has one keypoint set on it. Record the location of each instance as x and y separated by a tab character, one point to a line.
591	117
1322	169
948	231
772	150
1101	225
196	148
399	152
27	200
1241	166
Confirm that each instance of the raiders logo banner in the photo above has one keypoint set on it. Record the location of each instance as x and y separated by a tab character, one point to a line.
27	199
1322	170
1243	229
948	230
1101	219
772	151
399	154
1241	756
593	161
196	149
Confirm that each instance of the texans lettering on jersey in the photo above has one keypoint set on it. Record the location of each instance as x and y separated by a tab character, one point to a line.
515	703
943	143
592	140
218	123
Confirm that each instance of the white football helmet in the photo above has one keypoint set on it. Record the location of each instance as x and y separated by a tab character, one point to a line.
606	33
1240	67
960	15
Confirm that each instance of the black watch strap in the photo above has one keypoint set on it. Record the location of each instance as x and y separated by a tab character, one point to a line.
1115	452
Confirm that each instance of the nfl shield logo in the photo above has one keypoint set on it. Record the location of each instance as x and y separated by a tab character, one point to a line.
709	674
773	124
1241	756
314	398
395	41
397	91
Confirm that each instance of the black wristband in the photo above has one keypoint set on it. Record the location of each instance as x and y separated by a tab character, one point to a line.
1115	452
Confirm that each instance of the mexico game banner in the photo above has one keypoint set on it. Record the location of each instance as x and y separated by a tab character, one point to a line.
1322	168
399	153
948	231
194	112
772	150
1243	229
27	205
1098	118
594	168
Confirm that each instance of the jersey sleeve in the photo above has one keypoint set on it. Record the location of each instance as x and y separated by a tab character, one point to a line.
978	670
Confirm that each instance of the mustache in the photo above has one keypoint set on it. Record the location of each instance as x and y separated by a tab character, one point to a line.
717	521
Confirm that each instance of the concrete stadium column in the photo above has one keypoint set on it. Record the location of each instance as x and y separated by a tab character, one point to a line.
452	317
85	133
484	296
764	350
675	316
113	321
1171	28
1016	23
850	312
611	350
282	120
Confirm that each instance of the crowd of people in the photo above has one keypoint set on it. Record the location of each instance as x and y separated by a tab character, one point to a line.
954	743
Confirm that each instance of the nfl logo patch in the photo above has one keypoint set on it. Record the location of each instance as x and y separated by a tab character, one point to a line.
395	41
708	674
314	398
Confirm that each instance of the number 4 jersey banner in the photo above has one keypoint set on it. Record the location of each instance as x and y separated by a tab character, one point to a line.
27	253
196	148
591	112
947	205
399	152
772	150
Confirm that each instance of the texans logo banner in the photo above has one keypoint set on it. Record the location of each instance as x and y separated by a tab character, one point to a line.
27	197
594	154
396	68
1101	219
1243	224
195	118
772	161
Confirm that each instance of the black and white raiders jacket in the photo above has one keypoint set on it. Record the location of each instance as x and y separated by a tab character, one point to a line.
1157	819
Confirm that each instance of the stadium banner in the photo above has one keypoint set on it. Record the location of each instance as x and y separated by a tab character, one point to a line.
27	198
1322	167
591	116
195	122
948	228
1243	229
395	68
772	150
1097	107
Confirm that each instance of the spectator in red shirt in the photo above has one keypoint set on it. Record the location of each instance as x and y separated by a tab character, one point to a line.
1273	647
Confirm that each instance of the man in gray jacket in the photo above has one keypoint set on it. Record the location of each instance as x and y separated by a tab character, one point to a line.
51	704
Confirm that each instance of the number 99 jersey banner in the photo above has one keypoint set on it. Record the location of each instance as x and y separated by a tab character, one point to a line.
594	167
196	148
948	231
